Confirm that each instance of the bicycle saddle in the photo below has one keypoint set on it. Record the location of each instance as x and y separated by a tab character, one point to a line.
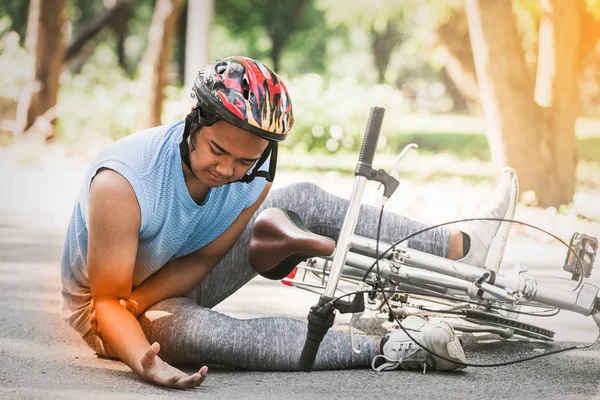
280	241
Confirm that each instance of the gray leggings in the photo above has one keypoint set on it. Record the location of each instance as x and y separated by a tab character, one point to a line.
191	332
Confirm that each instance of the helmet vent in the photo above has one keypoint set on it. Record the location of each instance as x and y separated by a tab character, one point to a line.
221	68
246	88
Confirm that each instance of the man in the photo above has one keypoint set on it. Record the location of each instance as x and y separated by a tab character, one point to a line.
160	231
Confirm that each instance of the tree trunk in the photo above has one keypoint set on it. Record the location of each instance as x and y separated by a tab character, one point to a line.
276	50
157	57
117	16
459	64
557	93
45	42
199	20
382	46
120	26
181	40
290	16
459	103
536	140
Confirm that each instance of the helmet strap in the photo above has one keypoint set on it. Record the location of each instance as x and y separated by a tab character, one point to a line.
270	175
194	121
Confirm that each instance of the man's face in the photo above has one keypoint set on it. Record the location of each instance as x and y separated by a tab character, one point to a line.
223	153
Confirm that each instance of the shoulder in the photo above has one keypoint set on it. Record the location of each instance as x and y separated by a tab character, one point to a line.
113	205
111	188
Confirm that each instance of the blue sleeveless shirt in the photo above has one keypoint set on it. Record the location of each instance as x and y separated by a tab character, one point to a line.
172	224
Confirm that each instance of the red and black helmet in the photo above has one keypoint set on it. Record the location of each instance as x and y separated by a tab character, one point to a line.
247	94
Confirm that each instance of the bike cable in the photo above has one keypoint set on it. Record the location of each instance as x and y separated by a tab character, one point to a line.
391	247
382	291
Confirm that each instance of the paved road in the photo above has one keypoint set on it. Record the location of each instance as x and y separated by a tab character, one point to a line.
42	358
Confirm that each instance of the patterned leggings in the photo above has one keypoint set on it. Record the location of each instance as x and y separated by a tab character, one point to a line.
189	331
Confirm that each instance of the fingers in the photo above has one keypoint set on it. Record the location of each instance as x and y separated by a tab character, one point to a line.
193	380
94	322
160	372
147	359
202	376
130	305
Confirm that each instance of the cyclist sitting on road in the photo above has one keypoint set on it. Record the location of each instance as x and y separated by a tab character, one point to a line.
160	230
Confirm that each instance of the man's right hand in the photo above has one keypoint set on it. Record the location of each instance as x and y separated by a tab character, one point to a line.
155	370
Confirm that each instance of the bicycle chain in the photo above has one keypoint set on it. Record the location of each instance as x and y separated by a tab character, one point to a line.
500	320
482	316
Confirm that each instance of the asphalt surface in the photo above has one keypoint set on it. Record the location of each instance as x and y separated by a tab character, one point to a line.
42	358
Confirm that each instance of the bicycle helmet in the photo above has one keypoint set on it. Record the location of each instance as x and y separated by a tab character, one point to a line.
247	94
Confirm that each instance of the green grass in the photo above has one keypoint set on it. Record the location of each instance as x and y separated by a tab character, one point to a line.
440	156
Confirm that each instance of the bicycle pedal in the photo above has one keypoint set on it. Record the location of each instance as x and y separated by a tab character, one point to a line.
581	255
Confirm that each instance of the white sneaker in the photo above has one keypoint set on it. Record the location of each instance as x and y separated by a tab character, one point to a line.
488	238
400	352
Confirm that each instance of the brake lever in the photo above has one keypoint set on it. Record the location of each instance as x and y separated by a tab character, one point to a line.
395	171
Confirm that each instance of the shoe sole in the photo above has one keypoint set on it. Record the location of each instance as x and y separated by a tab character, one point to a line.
495	254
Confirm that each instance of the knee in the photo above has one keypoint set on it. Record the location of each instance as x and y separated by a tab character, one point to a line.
294	193
165	314
304	187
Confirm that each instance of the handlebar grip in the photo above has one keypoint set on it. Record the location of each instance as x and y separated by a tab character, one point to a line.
320	319
369	144
309	353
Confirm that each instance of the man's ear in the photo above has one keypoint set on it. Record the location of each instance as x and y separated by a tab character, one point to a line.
191	137
189	141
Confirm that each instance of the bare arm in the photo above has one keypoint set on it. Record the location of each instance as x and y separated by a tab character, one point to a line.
113	223
180	276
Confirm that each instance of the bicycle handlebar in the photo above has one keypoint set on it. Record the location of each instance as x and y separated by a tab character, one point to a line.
321	316
369	144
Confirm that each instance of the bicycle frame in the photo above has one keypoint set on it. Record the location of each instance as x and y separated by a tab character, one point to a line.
419	268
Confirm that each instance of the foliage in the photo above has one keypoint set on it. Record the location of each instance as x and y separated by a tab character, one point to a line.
329	38
13	17
101	101
81	12
268	27
396	33
527	16
14	60
593	7
331	115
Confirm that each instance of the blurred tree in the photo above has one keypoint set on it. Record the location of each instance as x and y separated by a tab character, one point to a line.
276	19
459	66
199	20
81	13
158	54
525	119
383	42
16	13
384	20
44	41
117	17
389	24
179	51
193	39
